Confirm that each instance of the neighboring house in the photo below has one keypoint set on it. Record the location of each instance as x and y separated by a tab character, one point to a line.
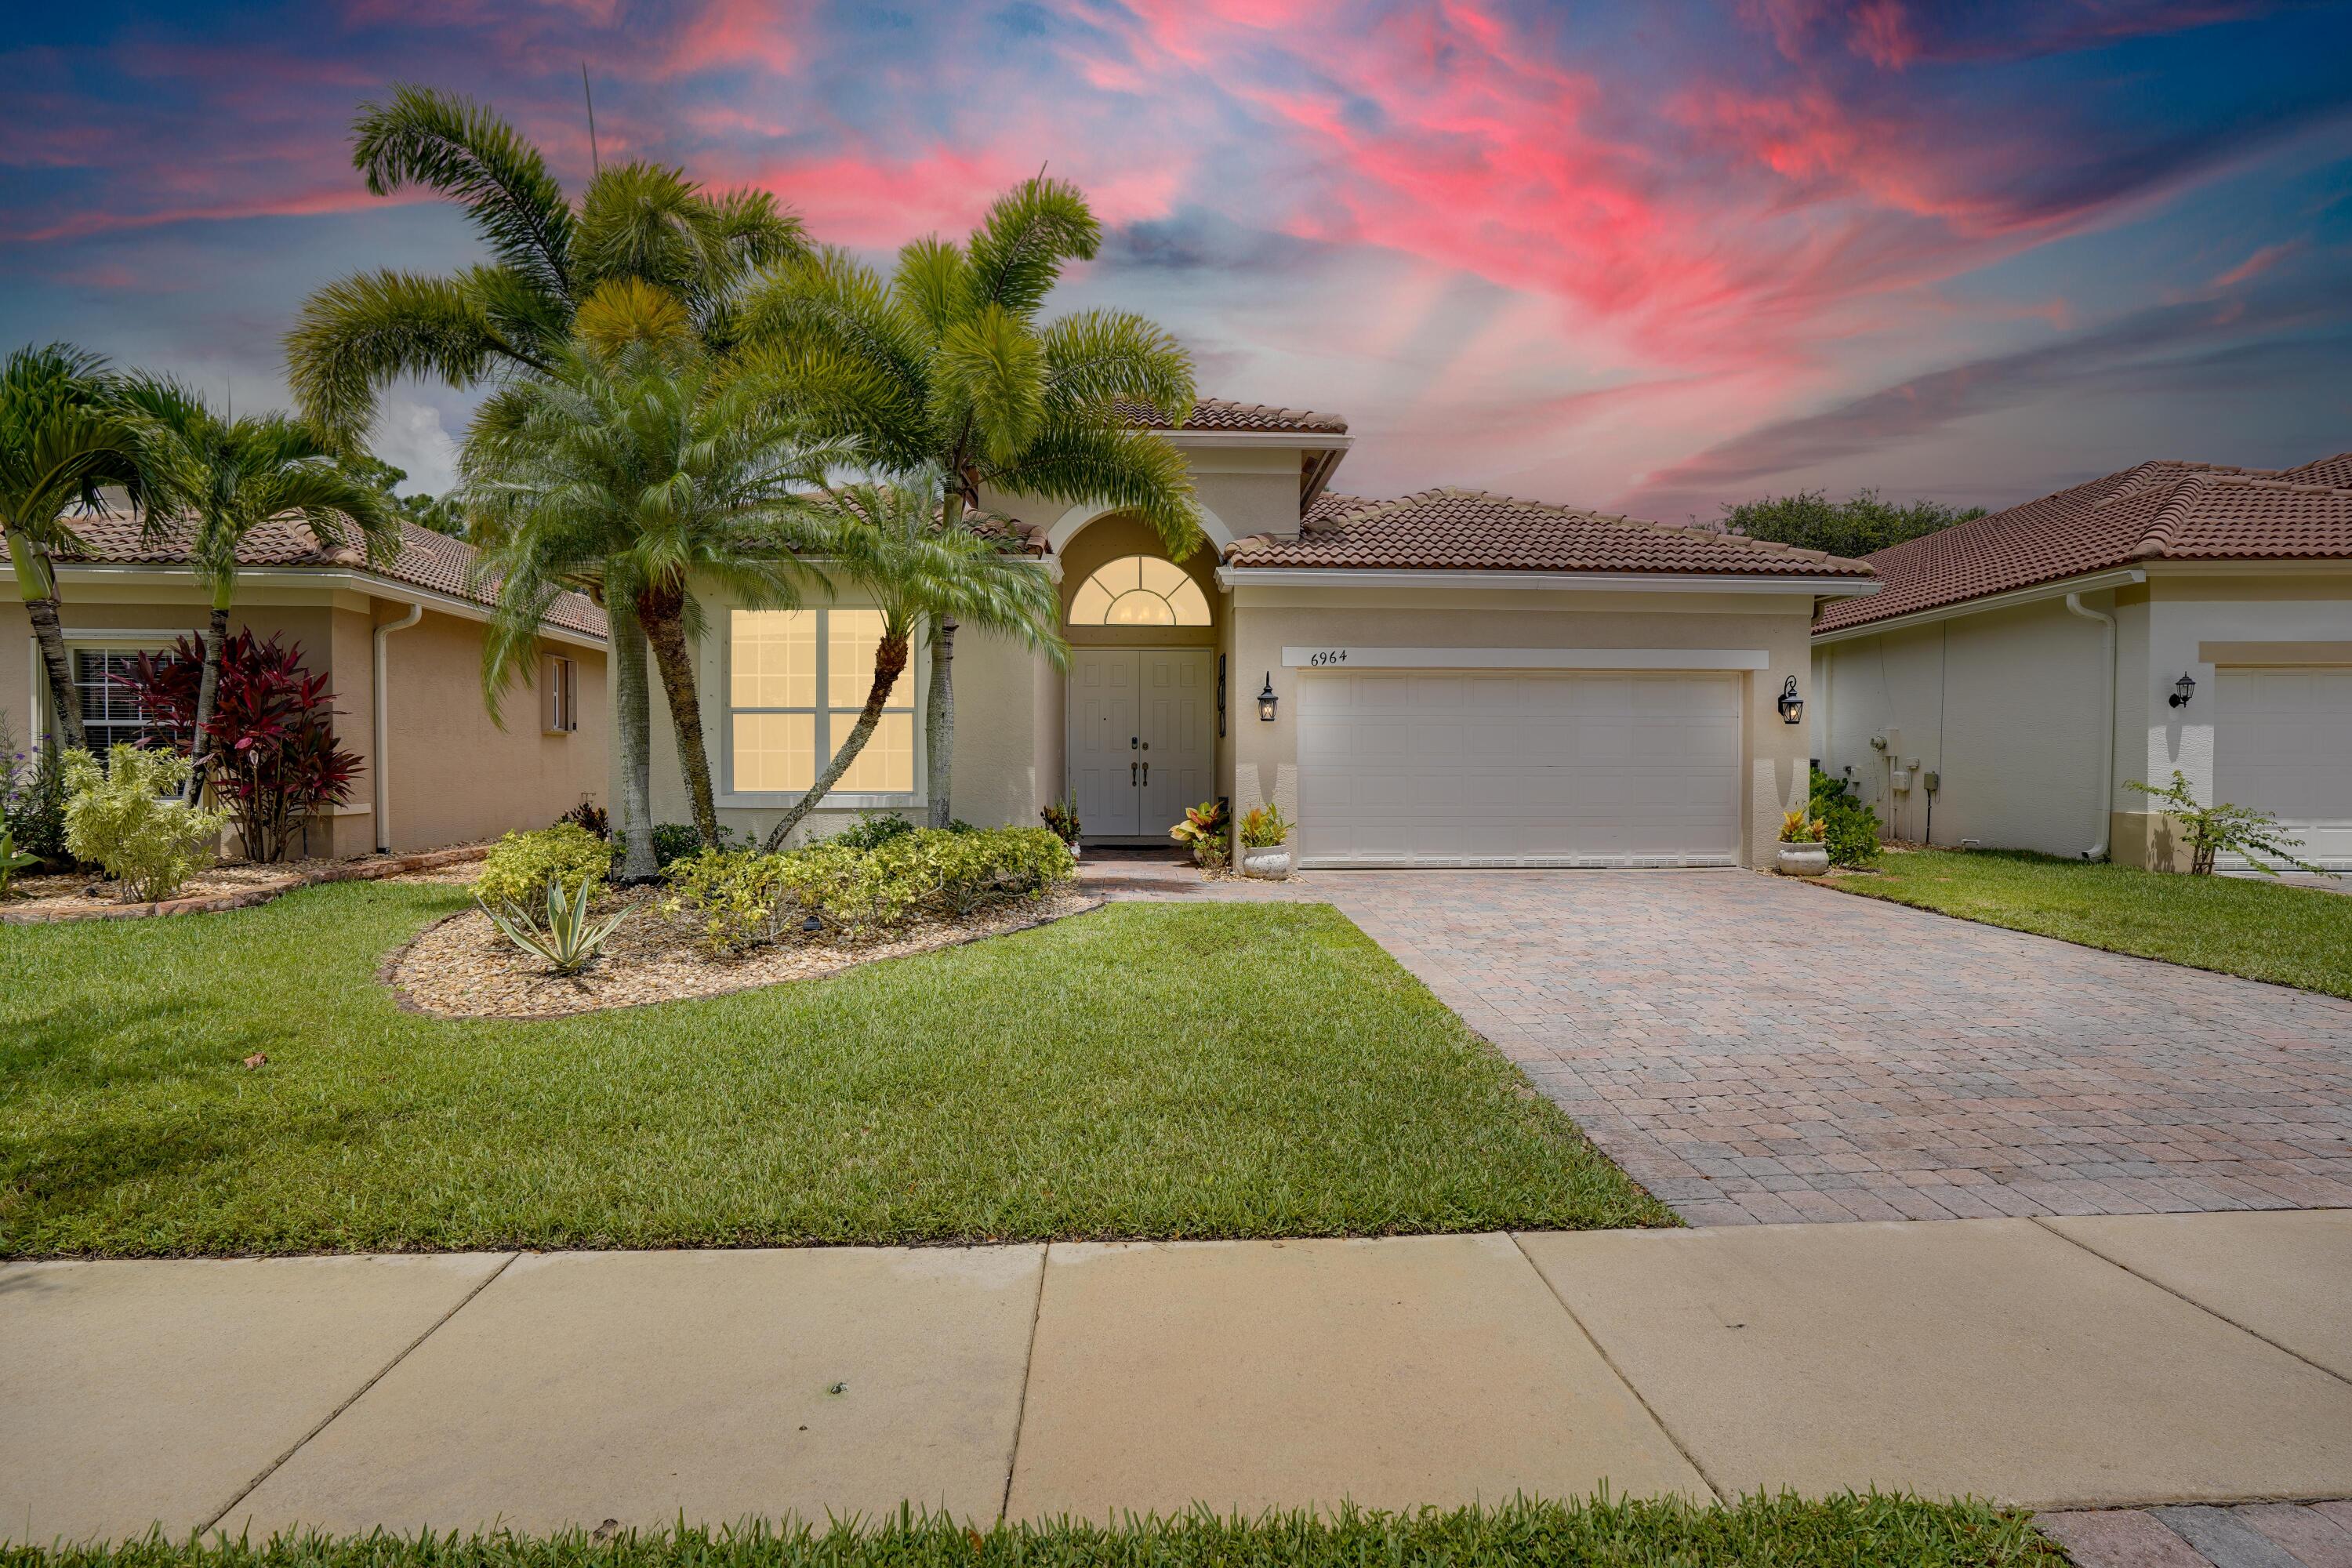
1454	677
2031	663
400	647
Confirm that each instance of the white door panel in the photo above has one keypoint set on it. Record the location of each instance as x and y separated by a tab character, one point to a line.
1105	730
2283	743
1141	746
1473	768
1179	722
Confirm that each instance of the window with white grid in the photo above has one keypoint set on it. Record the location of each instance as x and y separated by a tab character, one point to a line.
796	682
109	715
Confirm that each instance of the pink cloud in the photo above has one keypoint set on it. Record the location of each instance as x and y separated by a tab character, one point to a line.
2255	265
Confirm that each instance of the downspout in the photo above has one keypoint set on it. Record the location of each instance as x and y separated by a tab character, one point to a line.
384	726
2098	851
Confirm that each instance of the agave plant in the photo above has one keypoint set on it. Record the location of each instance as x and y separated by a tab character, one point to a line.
567	943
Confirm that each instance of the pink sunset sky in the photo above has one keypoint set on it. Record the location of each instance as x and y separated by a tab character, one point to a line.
1655	257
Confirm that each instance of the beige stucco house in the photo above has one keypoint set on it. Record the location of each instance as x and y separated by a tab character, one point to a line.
401	646
2019	671
1450	678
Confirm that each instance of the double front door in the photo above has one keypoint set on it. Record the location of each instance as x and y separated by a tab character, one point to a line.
1141	746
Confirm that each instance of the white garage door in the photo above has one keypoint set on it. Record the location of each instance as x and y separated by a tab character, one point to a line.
2283	743
1486	768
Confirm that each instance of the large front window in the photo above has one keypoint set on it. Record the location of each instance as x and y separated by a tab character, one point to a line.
796	681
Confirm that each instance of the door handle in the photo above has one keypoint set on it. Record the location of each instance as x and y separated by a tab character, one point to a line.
1130	774
1147	775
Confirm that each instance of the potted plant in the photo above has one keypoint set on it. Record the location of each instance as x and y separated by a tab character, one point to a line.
1062	817
1203	832
1802	853
1265	842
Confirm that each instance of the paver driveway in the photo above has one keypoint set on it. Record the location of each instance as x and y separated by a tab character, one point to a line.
1752	1049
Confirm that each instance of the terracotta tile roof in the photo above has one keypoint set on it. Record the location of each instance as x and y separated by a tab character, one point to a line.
1471	530
426	560
1218	414
2159	510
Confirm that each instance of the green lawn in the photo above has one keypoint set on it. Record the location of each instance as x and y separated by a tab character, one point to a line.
1146	1071
2239	925
1847	1532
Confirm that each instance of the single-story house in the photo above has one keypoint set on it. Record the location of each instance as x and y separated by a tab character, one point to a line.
2018	672
1442	678
400	647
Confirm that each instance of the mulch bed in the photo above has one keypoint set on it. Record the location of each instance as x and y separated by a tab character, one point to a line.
232	886
461	967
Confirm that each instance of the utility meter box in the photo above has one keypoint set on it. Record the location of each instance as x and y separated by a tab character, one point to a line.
1899	780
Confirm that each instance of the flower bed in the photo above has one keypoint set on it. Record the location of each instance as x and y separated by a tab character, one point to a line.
232	886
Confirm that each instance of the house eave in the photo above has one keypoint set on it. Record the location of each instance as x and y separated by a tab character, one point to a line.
1588	582
2058	588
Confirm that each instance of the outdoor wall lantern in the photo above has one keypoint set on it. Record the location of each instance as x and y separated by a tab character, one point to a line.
2183	690
1265	700
1791	706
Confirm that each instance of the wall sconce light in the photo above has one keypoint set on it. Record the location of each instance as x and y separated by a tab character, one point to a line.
2183	690
1791	706
1265	700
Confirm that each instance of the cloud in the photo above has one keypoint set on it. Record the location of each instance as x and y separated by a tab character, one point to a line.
409	434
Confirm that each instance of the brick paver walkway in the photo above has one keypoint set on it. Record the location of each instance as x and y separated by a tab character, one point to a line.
1752	1049
2255	1535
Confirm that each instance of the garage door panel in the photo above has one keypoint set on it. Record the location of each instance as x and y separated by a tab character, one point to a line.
2283	743
1514	768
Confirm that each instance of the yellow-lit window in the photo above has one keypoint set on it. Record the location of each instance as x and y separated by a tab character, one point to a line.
779	662
1139	591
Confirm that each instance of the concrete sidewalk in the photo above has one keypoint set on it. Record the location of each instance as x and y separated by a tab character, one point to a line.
2057	1363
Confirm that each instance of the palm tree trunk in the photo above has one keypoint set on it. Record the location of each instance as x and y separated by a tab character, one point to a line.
207	698
632	705
661	613
938	722
939	710
889	663
37	583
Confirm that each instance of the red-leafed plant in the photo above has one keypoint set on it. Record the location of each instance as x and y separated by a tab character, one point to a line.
272	756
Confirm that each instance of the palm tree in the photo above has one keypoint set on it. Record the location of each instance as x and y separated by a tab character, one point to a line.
227	477
642	463
890	540
64	432
513	314
946	367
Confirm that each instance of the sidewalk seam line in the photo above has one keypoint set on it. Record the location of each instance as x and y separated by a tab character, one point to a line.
1028	1371
2215	1314
1614	1370
431	1328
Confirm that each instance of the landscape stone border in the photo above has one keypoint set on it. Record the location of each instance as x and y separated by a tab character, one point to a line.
366	870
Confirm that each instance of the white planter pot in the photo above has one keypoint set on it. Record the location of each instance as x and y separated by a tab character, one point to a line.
1805	859
1272	863
1075	855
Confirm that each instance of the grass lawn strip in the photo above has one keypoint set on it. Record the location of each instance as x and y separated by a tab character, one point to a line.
1147	1071
2235	925
1847	1532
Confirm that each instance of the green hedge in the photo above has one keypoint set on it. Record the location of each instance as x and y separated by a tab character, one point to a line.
858	888
1787	1531
516	870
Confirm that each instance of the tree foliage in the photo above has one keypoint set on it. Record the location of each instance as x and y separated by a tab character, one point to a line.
1855	526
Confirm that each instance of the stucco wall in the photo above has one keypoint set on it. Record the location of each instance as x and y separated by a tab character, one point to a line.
1268	619
455	777
2005	706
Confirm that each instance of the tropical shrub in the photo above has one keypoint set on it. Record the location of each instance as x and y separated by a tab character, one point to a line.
520	864
743	900
1849	828
1062	817
590	815
35	808
126	817
672	841
2212	830
270	748
1202	831
569	941
871	830
1264	828
12	860
1796	827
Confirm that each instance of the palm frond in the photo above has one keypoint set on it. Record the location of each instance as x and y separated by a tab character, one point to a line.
1093	357
1016	253
1134	470
990	380
467	152
357	336
931	283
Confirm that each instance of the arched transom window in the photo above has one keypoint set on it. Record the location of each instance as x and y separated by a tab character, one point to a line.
1139	591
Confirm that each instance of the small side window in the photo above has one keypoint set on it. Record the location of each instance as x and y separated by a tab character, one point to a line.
560	685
